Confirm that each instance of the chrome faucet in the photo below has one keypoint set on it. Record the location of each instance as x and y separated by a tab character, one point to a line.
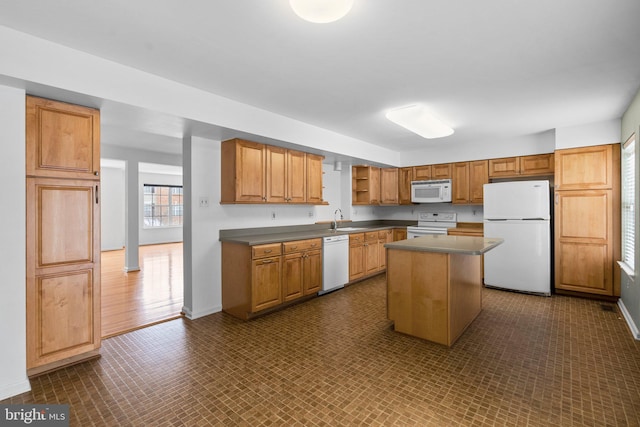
335	221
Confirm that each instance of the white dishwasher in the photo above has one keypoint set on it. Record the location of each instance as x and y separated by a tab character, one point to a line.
335	262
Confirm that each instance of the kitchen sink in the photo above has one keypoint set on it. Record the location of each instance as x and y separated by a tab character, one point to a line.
351	228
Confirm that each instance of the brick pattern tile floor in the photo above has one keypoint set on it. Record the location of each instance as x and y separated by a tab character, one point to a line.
336	361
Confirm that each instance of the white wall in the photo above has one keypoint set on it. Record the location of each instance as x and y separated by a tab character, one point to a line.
112	208
604	132
13	357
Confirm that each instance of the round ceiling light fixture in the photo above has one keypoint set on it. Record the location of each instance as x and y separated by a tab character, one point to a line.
321	11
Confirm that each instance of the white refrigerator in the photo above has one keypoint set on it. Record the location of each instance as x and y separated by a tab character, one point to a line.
519	213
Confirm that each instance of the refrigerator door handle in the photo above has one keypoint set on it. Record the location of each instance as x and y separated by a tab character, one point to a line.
496	219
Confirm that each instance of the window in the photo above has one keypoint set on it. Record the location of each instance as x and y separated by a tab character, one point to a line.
162	206
628	204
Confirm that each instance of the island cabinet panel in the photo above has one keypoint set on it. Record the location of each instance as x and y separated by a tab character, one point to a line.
433	295
405	176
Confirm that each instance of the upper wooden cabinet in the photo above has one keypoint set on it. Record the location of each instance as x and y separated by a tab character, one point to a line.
585	168
365	185
389	186
468	180
405	176
421	173
62	140
258	173
441	171
314	179
506	167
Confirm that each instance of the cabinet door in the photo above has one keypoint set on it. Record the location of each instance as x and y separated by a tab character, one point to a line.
539	164
356	256
505	167
371	256
266	290
399	234
312	269
441	171
585	168
292	277
405	176
374	185
389	186
460	183
385	236
421	173
296	177
62	140
478	176
63	269
583	241
276	178
314	178
250	172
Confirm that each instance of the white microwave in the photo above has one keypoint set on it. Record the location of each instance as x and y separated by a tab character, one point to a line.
432	191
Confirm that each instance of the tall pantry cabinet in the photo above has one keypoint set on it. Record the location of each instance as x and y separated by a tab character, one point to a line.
587	220
63	234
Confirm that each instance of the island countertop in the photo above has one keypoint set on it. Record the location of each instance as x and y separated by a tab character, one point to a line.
443	243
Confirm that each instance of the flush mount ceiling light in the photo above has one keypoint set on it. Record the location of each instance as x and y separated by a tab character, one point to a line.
418	120
321	11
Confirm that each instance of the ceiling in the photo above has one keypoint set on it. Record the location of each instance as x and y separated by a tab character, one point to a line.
492	70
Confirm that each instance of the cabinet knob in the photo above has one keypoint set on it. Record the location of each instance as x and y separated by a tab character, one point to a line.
96	173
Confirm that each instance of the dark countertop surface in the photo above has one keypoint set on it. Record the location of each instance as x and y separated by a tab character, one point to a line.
467	245
264	235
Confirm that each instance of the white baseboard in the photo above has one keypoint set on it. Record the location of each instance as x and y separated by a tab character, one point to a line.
629	320
10	390
195	315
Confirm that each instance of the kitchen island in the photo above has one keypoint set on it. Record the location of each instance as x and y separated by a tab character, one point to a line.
434	285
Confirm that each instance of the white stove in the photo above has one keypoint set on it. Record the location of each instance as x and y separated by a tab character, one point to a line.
432	223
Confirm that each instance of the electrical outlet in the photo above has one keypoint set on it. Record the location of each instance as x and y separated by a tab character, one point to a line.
273	214
310	214
204	202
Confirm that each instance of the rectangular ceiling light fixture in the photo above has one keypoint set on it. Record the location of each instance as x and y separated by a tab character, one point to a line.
416	119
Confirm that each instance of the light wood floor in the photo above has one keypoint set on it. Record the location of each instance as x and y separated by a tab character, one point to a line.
136	299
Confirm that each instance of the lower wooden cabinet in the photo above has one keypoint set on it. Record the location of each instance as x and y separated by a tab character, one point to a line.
262	277
356	256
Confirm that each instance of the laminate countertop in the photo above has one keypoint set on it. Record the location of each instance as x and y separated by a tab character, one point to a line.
466	245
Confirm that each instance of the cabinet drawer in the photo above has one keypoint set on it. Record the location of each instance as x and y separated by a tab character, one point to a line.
371	236
301	245
261	251
356	239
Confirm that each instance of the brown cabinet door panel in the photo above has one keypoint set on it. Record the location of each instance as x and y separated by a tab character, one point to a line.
312	270
63	140
314	178
266	291
276	178
584	168
584	267
296	177
250	170
292	277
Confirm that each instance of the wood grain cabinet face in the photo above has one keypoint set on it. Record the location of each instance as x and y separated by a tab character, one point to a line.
587	220
62	234
585	168
538	164
63	140
266	290
314	178
389	186
405	176
356	256
257	173
421	173
302	268
365	185
468	181
441	171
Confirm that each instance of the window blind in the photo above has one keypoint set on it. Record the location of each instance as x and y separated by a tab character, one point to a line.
628	202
